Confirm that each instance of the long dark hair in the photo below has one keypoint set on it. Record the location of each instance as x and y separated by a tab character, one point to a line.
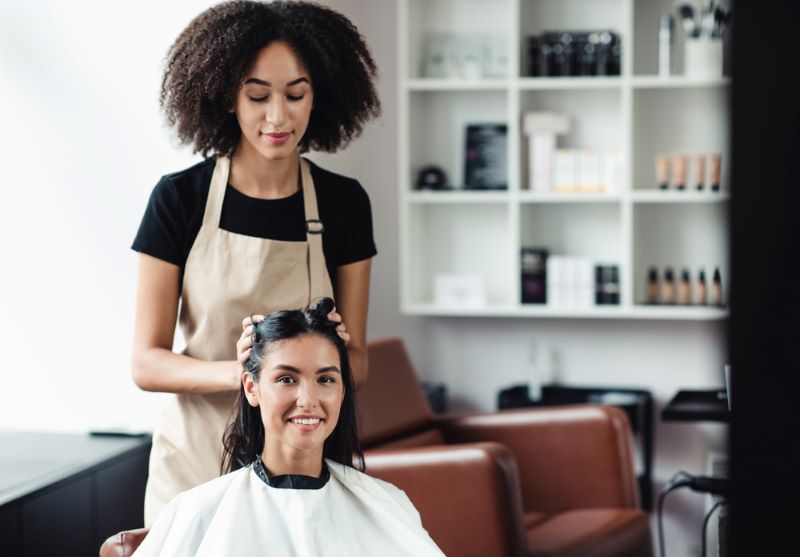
244	437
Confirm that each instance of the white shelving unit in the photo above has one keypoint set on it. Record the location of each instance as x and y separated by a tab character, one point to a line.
639	113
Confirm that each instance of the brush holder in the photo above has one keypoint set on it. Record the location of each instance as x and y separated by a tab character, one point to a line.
703	58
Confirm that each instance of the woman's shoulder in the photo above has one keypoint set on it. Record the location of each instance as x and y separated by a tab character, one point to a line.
326	181
199	174
209	493
350	476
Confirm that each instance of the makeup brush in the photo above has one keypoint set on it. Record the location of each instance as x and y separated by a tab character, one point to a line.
720	19
686	14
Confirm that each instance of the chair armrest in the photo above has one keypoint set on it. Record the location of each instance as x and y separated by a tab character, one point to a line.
569	457
124	543
467	495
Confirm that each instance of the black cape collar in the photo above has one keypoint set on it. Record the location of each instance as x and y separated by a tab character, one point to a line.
291	481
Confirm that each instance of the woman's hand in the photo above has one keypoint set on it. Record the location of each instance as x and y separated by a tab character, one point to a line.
245	342
341	329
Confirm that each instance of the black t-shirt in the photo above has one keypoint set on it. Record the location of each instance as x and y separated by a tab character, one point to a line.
175	211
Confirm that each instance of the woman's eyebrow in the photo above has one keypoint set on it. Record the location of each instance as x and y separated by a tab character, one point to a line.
327	369
257	81
285	367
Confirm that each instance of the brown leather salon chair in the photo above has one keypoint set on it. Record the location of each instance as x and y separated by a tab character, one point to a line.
562	483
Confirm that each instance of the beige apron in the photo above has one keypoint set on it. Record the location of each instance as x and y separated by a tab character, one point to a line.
227	277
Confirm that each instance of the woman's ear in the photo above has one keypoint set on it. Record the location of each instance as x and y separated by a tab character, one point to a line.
250	390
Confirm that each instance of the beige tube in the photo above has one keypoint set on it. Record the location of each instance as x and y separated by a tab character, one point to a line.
662	171
680	172
716	167
700	172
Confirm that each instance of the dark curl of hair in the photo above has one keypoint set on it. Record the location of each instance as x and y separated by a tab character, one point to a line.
208	62
244	437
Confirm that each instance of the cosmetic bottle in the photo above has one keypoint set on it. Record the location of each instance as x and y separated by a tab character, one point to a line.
716	164
664	45
700	172
652	285
680	172
702	289
716	289
668	287
662	171
685	289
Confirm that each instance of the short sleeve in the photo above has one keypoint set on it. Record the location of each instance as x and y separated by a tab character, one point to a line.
162	231
359	242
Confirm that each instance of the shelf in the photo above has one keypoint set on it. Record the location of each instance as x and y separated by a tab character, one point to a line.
556	83
674	196
596	312
458	196
555	197
677	82
429	84
637	114
686	313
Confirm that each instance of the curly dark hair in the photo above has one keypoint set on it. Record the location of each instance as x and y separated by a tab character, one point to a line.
207	63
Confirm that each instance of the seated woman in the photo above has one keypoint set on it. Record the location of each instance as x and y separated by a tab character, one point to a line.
295	484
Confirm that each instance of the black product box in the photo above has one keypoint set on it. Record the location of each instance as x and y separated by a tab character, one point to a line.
485	158
573	53
606	285
534	275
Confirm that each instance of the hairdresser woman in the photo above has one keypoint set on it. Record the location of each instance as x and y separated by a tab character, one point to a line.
255	227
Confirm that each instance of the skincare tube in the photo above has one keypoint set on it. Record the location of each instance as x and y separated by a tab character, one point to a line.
716	289
664	45
662	171
716	166
700	172
702	289
668	287
680	172
652	285
685	289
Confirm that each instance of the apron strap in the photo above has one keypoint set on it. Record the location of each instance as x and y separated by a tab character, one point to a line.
216	193
314	230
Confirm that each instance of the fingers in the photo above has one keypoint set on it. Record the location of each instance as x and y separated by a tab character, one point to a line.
250	319
245	342
340	329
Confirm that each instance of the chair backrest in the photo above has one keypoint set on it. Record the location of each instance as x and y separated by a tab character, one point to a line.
392	409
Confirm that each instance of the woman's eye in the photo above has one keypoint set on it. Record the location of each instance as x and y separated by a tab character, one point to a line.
327	379
285	379
259	99
295	97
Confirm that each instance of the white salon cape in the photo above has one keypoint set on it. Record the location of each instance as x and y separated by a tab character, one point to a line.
344	512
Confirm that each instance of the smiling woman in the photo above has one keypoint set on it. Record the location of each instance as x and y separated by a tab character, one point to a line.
296	485
296	403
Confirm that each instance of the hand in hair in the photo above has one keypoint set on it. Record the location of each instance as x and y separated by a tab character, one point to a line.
245	342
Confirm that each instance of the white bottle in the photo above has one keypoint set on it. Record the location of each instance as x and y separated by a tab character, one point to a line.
664	45
534	372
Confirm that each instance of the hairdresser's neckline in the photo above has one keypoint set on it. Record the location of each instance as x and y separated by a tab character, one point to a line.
291	481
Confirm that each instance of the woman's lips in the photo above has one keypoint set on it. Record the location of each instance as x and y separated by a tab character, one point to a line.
277	138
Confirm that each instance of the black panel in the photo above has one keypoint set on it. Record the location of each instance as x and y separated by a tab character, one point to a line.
10	532
119	495
58	522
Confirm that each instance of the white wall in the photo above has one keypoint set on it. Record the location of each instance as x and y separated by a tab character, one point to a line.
82	146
